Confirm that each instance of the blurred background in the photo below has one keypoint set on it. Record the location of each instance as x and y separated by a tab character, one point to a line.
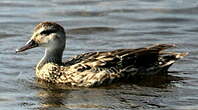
98	25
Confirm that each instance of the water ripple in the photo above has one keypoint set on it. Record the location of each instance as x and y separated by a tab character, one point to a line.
98	25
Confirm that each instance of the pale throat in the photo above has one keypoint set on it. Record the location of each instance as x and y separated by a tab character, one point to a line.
52	55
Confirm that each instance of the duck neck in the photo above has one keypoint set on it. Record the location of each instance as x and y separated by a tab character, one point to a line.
51	56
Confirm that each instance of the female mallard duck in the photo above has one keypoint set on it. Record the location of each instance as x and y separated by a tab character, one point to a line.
94	68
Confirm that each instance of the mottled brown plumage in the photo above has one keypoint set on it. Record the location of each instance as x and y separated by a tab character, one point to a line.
95	68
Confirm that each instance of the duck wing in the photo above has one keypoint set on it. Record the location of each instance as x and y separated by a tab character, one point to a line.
97	67
122	60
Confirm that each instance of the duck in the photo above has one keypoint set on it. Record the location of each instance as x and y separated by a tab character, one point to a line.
94	69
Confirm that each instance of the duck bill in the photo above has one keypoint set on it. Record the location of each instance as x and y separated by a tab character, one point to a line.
30	44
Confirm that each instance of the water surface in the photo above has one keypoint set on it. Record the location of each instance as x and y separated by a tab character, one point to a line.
95	25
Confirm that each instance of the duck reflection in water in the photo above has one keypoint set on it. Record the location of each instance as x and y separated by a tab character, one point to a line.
53	96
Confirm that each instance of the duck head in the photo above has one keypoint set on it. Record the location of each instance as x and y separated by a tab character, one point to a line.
49	35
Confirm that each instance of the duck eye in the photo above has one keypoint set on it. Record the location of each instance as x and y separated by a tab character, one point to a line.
47	32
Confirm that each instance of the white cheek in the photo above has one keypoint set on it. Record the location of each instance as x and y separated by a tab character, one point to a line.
48	39
44	41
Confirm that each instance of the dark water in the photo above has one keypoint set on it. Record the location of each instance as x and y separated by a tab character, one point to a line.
94	25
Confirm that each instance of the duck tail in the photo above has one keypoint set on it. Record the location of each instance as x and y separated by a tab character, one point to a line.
181	55
168	58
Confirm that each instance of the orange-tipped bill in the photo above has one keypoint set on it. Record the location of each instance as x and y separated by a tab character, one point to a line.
30	44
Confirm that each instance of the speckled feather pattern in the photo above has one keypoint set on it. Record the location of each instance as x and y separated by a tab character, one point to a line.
69	75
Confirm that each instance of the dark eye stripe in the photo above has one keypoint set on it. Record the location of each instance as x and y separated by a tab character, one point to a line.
47	32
